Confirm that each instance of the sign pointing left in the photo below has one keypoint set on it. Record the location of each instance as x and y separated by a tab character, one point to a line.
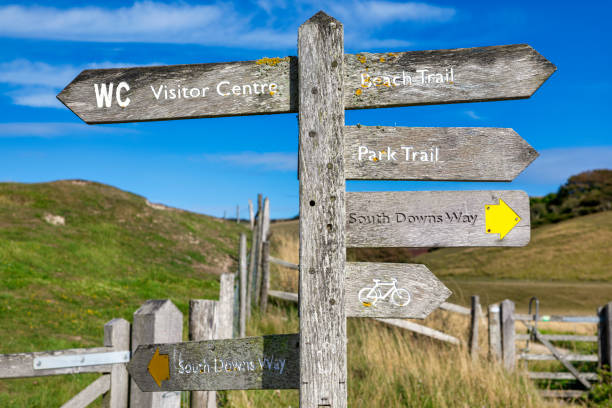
266	362
159	367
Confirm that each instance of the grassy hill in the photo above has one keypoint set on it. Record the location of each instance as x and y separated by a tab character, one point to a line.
61	283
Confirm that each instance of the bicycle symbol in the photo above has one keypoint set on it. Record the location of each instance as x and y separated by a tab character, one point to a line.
397	296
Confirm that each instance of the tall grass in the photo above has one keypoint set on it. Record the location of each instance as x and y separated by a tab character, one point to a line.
391	367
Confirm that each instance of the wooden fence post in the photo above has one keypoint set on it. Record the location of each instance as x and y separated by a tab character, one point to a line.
243	284
265	277
475	319
322	213
203	326
117	336
156	321
251	216
261	237
507	332
605	337
252	274
494	333
225	312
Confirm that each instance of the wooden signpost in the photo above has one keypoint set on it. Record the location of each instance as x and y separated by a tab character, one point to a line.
437	219
392	290
270	85
320	84
267	362
398	153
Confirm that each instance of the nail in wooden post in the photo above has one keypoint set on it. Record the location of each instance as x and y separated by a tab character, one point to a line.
265	277
251	216
507	332
202	326
225	313
494	333
475	317
322	214
243	284
117	336
156	321
605	337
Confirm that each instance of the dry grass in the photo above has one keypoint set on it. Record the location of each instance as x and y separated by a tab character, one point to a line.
285	246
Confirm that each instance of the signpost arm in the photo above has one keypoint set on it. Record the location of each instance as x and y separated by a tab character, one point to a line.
322	213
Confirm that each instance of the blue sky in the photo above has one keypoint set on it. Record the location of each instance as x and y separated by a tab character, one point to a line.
210	165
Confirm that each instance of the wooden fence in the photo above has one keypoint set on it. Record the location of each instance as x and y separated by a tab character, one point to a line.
156	321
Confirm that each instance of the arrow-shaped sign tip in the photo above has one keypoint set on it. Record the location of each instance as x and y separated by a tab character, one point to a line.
159	367
500	219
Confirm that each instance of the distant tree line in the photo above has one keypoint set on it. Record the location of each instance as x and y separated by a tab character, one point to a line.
585	193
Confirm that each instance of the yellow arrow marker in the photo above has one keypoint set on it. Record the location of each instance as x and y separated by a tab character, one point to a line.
159	367
500	219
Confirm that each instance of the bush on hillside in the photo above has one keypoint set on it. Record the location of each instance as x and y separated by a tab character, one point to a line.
585	193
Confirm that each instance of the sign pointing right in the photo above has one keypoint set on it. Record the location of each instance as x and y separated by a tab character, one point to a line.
437	218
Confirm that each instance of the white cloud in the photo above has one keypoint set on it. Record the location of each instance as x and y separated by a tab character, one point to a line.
555	166
368	13
147	21
55	129
37	83
264	161
473	114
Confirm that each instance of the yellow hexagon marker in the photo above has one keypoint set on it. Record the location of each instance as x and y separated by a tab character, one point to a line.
500	219
159	367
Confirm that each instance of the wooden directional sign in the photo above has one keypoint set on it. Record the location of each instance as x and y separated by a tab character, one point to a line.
270	85
392	290
268	362
399	153
437	219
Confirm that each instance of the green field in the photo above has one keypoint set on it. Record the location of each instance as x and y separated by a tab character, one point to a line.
61	283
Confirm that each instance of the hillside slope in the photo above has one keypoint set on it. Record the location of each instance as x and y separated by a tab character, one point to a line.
61	283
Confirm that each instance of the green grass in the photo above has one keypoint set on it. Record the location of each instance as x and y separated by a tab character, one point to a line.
61	283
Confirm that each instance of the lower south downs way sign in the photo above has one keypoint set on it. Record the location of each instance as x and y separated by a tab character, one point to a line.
267	362
437	219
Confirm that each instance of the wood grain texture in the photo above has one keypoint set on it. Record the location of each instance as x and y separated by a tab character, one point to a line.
203	326
401	153
479	74
265	277
267	362
323	372
474	318
605	336
550	357
404	219
90	393
425	290
117	335
495	346
243	285
424	330
506	317
21	365
156	321
225	310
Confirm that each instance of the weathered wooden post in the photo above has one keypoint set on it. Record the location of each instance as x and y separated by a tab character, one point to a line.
261	234
225	312
251	216
322	214
263	238
243	285
494	333
265	277
507	334
605	337
156	321
474	314
117	336
203	326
